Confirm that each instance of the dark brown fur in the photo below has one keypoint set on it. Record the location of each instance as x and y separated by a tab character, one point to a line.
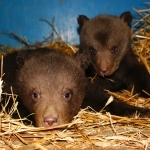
105	49
48	84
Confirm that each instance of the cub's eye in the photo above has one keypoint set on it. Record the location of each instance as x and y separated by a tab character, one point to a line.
113	49
92	50
35	96
67	96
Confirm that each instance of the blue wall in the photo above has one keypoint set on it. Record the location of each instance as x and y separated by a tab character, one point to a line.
22	16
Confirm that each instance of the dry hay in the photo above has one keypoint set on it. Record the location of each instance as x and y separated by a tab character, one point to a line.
141	37
89	129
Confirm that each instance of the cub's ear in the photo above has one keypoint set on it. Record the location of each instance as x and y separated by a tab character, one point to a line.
127	17
81	20
82	60
21	58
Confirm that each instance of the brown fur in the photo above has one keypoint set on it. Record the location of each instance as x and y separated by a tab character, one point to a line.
43	79
105	33
105	49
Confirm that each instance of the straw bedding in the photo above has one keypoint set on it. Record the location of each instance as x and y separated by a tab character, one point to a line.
89	129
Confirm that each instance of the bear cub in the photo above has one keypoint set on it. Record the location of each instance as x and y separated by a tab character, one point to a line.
47	83
105	51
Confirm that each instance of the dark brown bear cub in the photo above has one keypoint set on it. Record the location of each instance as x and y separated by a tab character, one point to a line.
48	84
105	49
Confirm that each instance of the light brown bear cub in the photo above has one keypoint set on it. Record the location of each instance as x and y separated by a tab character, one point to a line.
49	84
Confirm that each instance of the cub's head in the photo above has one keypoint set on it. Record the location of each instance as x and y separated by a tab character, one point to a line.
51	85
104	40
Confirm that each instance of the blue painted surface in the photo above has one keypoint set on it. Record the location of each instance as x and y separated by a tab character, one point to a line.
22	16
